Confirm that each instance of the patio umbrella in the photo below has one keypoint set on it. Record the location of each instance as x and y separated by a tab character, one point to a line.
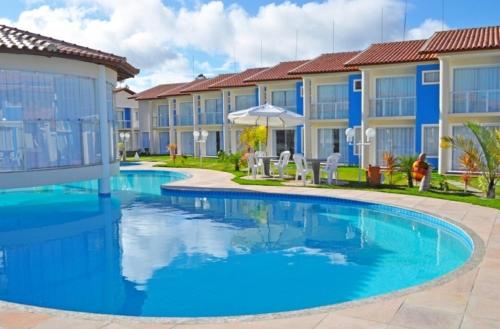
266	115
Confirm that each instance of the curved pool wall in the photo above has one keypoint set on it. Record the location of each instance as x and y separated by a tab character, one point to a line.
197	253
421	217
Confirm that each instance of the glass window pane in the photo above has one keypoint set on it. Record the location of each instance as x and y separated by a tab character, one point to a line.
398	141
431	141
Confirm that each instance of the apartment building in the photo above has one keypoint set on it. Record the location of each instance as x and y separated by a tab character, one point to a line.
399	99
331	104
277	86
469	84
237	94
411	93
57	120
127	117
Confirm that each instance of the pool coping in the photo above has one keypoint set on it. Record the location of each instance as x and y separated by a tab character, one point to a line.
194	181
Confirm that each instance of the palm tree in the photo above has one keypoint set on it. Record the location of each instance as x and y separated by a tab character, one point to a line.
488	156
406	165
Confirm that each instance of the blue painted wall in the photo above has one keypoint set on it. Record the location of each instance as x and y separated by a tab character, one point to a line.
354	114
427	107
127	117
300	110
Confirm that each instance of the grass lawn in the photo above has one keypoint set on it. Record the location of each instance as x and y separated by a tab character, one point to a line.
348	174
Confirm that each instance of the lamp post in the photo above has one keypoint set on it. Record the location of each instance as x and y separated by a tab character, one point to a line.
124	137
200	138
350	133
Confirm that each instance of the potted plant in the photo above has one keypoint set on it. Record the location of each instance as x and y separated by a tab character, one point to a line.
172	149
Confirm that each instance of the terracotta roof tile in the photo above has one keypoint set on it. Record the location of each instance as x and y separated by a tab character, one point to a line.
481	38
392	52
125	89
327	63
13	40
206	84
277	72
154	93
238	80
179	90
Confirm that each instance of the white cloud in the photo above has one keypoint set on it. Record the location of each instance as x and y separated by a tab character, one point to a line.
155	37
426	29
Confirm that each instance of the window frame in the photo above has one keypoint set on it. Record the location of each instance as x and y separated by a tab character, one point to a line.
433	82
422	139
354	81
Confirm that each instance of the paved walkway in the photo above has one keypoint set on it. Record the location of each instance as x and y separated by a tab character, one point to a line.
467	299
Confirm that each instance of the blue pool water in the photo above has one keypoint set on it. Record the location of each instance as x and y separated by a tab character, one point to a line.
148	253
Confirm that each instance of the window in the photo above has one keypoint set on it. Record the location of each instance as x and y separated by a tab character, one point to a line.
476	89
466	133
286	99
332	141
430	140
400	141
395	96
332	102
357	85
49	120
301	91
357	140
244	102
430	77
162	116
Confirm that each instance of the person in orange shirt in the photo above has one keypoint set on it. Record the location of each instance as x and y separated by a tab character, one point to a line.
421	172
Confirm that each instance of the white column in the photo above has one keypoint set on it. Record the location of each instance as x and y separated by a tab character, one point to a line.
365	110
104	129
262	94
171	119
308	145
444	106
225	124
195	124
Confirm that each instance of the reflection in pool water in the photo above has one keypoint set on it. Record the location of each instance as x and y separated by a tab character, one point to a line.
180	254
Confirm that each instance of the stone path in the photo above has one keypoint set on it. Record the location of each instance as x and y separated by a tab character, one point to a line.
468	299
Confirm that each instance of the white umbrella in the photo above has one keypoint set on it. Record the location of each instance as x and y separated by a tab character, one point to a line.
266	115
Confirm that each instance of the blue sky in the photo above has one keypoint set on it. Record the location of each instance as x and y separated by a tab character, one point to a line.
221	36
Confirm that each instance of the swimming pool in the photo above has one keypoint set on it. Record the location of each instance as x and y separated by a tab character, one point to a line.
145	252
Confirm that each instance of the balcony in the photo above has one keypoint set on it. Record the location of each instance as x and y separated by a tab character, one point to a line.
124	124
160	122
330	111
210	118
476	101
393	107
291	108
183	120
42	144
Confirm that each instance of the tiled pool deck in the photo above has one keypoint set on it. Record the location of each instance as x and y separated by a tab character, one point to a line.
467	299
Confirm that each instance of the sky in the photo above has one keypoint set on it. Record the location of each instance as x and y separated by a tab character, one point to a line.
174	40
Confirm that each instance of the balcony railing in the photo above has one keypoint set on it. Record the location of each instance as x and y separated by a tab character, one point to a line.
288	107
393	106
43	144
210	118
476	101
330	111
160	122
124	124
183	120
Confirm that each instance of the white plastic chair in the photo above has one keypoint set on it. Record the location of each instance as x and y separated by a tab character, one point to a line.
302	170
331	166
260	162
281	164
252	165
